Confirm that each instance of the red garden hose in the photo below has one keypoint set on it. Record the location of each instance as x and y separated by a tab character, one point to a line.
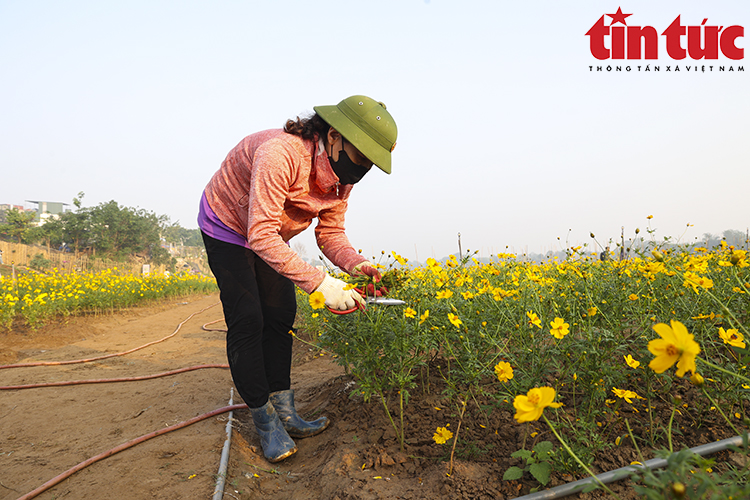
58	479
57	363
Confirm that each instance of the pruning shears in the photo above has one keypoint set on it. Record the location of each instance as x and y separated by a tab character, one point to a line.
369	299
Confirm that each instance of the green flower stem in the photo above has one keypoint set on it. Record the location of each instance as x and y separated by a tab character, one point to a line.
311	344
669	428
715	367
455	438
716	405
572	454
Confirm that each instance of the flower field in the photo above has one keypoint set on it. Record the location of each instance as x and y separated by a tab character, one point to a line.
36	298
584	348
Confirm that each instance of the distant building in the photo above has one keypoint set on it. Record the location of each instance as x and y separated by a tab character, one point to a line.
48	209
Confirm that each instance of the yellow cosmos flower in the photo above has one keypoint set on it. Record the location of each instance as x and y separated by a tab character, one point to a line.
676	345
625	394
696	281
423	317
533	319
559	328
504	371
633	296
454	320
442	435
317	300
732	337
410	313
531	406
399	258
592	311
632	363
444	294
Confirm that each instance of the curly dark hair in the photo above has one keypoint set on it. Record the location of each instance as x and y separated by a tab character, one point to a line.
307	128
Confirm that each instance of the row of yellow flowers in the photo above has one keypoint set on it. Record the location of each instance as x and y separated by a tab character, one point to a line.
488	319
36	297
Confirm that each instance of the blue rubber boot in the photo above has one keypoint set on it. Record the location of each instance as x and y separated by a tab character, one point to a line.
276	443
283	401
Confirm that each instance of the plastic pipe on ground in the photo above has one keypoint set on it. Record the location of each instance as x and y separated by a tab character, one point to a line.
624	472
108	380
106	356
221	478
58	479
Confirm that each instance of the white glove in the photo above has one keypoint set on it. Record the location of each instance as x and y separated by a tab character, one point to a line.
336	297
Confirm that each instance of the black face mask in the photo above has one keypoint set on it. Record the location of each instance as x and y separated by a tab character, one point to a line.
345	169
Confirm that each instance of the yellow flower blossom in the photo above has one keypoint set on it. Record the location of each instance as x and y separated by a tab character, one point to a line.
632	363
531	406
732	337
676	345
504	371
454	320
444	294
559	328
533	319
410	313
696	281
317	300
442	435
625	394
423	317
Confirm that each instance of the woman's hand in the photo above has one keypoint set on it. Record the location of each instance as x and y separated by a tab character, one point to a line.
367	268
336	297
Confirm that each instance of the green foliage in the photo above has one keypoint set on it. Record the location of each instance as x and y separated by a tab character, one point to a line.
17	224
39	262
688	475
111	230
538	463
462	319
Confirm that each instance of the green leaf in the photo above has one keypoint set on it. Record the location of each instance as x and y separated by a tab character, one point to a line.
512	474
590	487
543	448
541	472
525	454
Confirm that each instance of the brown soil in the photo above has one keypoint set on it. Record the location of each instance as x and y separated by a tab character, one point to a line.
46	431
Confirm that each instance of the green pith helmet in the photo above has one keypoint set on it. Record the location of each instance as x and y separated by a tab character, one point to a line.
366	124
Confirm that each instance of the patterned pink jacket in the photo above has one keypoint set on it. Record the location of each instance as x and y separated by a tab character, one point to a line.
270	187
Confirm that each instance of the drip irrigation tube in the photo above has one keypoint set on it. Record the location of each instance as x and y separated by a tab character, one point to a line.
56	480
205	326
222	475
624	472
108	380
106	356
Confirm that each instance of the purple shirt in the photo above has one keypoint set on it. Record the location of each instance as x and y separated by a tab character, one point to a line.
210	224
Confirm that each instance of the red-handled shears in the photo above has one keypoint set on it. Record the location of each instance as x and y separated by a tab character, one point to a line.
369	300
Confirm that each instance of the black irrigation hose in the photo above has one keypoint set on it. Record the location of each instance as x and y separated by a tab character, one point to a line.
625	472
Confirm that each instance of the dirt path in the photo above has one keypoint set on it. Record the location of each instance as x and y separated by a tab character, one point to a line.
46	431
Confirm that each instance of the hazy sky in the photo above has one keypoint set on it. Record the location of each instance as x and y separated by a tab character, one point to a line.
505	135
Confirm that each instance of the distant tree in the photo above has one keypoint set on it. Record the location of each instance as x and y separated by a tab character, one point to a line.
734	237
179	236
118	231
17	224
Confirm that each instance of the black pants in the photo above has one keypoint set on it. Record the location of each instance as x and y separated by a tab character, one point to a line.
259	309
